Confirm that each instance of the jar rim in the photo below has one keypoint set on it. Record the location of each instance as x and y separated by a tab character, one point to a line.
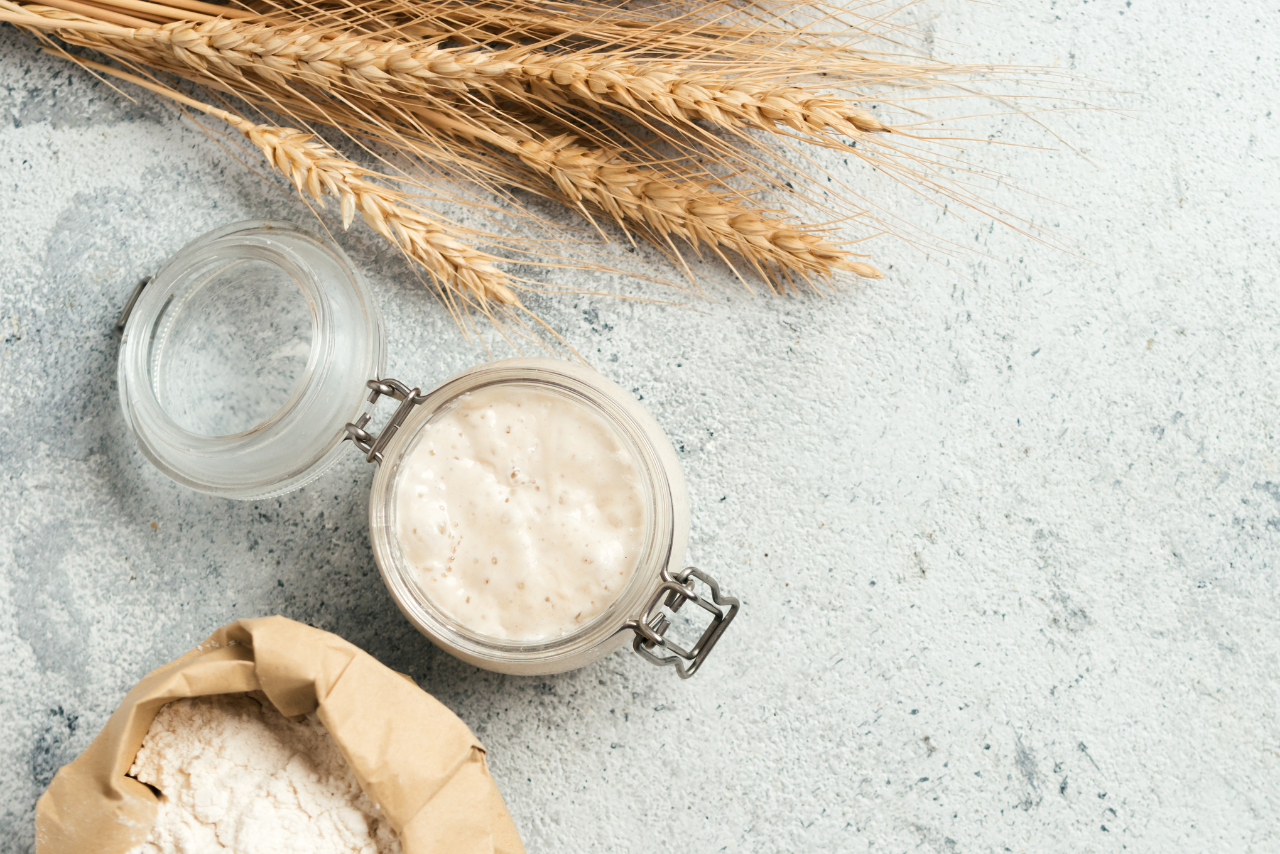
301	438
664	535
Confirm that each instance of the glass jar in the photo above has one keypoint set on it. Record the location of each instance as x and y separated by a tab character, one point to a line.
257	350
244	358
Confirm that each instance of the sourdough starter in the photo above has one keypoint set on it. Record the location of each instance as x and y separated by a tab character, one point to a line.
521	512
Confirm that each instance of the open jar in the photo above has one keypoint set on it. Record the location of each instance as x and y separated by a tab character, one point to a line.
257	351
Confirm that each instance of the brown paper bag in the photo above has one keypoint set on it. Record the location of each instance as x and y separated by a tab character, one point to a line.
410	754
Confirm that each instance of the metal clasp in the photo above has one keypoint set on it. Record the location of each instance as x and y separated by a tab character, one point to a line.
652	626
364	440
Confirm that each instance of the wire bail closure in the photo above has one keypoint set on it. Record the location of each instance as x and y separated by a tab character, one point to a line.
128	306
373	445
652	626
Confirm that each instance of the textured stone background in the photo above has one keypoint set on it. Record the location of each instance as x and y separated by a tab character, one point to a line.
1006	527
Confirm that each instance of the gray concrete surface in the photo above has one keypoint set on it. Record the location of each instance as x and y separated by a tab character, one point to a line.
1006	527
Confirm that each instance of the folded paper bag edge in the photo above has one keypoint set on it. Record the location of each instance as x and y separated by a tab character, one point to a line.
92	806
295	685
439	794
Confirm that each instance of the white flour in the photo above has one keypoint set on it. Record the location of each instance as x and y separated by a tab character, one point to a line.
237	776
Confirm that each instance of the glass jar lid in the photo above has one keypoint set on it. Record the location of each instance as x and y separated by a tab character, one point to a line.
245	357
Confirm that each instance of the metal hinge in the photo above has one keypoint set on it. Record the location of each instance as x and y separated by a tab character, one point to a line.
128	306
373	445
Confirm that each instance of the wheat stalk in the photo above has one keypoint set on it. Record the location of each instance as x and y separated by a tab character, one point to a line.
662	89
663	205
358	67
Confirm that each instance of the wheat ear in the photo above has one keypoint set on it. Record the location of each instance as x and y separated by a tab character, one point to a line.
372	66
316	170
667	206
668	92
